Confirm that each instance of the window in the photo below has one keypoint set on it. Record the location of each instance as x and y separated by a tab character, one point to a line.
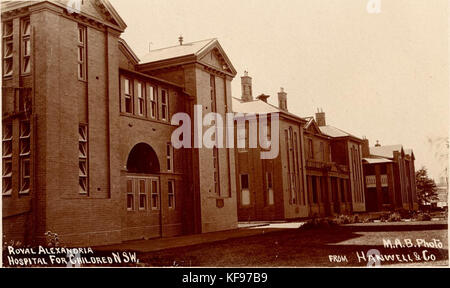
212	84
310	149
141	99
7	48
130	195
83	158
155	194
81	52
128	91
171	193
245	192
7	158
216	170
314	189
24	161
269	186
153	102
164	105
169	157
26	46
142	195
322	151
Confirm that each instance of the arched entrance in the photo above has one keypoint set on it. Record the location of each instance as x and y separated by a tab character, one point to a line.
143	160
143	193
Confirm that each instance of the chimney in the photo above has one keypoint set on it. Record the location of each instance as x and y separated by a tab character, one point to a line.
282	99
246	86
365	148
320	118
180	39
263	97
378	144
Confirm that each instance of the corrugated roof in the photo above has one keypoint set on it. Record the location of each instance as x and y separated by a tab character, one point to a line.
255	106
259	107
335	132
386	151
193	48
376	160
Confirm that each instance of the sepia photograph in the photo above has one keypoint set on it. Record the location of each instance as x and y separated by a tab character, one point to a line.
225	134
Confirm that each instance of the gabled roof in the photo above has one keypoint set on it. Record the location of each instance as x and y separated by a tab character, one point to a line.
259	107
195	50
312	124
102	9
386	151
335	132
128	50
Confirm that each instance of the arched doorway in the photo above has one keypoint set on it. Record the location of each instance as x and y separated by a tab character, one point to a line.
143	193
143	160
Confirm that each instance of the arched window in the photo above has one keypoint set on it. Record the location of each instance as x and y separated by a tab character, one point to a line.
143	159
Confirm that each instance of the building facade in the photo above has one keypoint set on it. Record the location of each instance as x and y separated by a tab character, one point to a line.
87	150
269	189
389	176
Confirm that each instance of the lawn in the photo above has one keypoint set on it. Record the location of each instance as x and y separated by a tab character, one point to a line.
315	247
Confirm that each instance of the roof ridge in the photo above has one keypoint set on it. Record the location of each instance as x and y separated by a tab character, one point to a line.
186	44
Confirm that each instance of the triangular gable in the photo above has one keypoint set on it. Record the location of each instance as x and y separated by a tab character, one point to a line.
312	127
100	10
213	55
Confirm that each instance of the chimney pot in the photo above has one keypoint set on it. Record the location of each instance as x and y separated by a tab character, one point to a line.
180	39
282	99
246	86
320	118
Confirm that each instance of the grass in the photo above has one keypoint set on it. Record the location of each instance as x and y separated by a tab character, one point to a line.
306	248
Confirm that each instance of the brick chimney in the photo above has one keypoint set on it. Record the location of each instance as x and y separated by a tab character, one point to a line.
282	99
365	148
320	118
246	86
263	97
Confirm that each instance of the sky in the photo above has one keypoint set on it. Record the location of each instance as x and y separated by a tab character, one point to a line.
382	75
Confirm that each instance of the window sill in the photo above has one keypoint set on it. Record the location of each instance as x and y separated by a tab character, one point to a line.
7	193
25	192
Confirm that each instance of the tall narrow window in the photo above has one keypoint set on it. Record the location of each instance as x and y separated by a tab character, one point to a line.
142	195
322	151
128	91
269	186
216	170
169	157
141	99
83	158
7	158
164	105
155	194
26	46
171	193
25	151
153	102
7	36
310	149
212	84
130	195
81	52
245	191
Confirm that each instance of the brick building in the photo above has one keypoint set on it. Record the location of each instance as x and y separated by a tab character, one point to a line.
318	170
328	182
390	179
87	130
270	189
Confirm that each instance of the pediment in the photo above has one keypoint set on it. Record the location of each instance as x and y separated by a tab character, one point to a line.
215	57
100	10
